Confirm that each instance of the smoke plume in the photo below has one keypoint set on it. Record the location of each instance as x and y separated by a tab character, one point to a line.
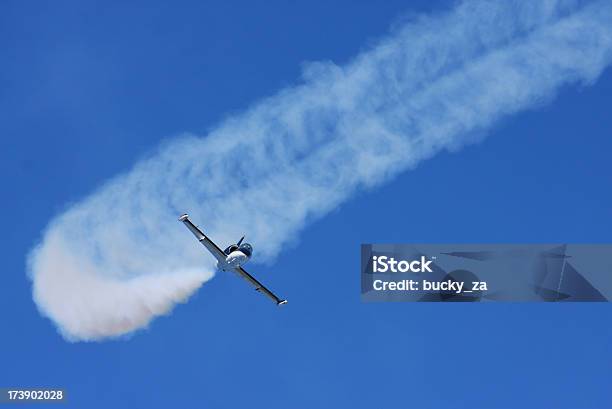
115	260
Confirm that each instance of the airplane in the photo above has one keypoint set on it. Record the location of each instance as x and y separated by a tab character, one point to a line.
232	258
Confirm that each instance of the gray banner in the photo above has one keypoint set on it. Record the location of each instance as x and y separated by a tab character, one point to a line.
486	272
32	395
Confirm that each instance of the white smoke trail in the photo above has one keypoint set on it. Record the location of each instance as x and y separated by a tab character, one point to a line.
112	262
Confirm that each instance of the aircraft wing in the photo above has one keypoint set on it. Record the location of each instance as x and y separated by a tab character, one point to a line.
259	286
202	238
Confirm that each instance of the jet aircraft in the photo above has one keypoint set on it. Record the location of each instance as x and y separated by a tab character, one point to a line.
232	258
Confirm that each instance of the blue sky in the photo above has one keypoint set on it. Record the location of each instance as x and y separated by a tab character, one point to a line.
89	88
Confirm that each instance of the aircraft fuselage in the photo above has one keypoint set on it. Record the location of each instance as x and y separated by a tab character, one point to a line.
234	259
